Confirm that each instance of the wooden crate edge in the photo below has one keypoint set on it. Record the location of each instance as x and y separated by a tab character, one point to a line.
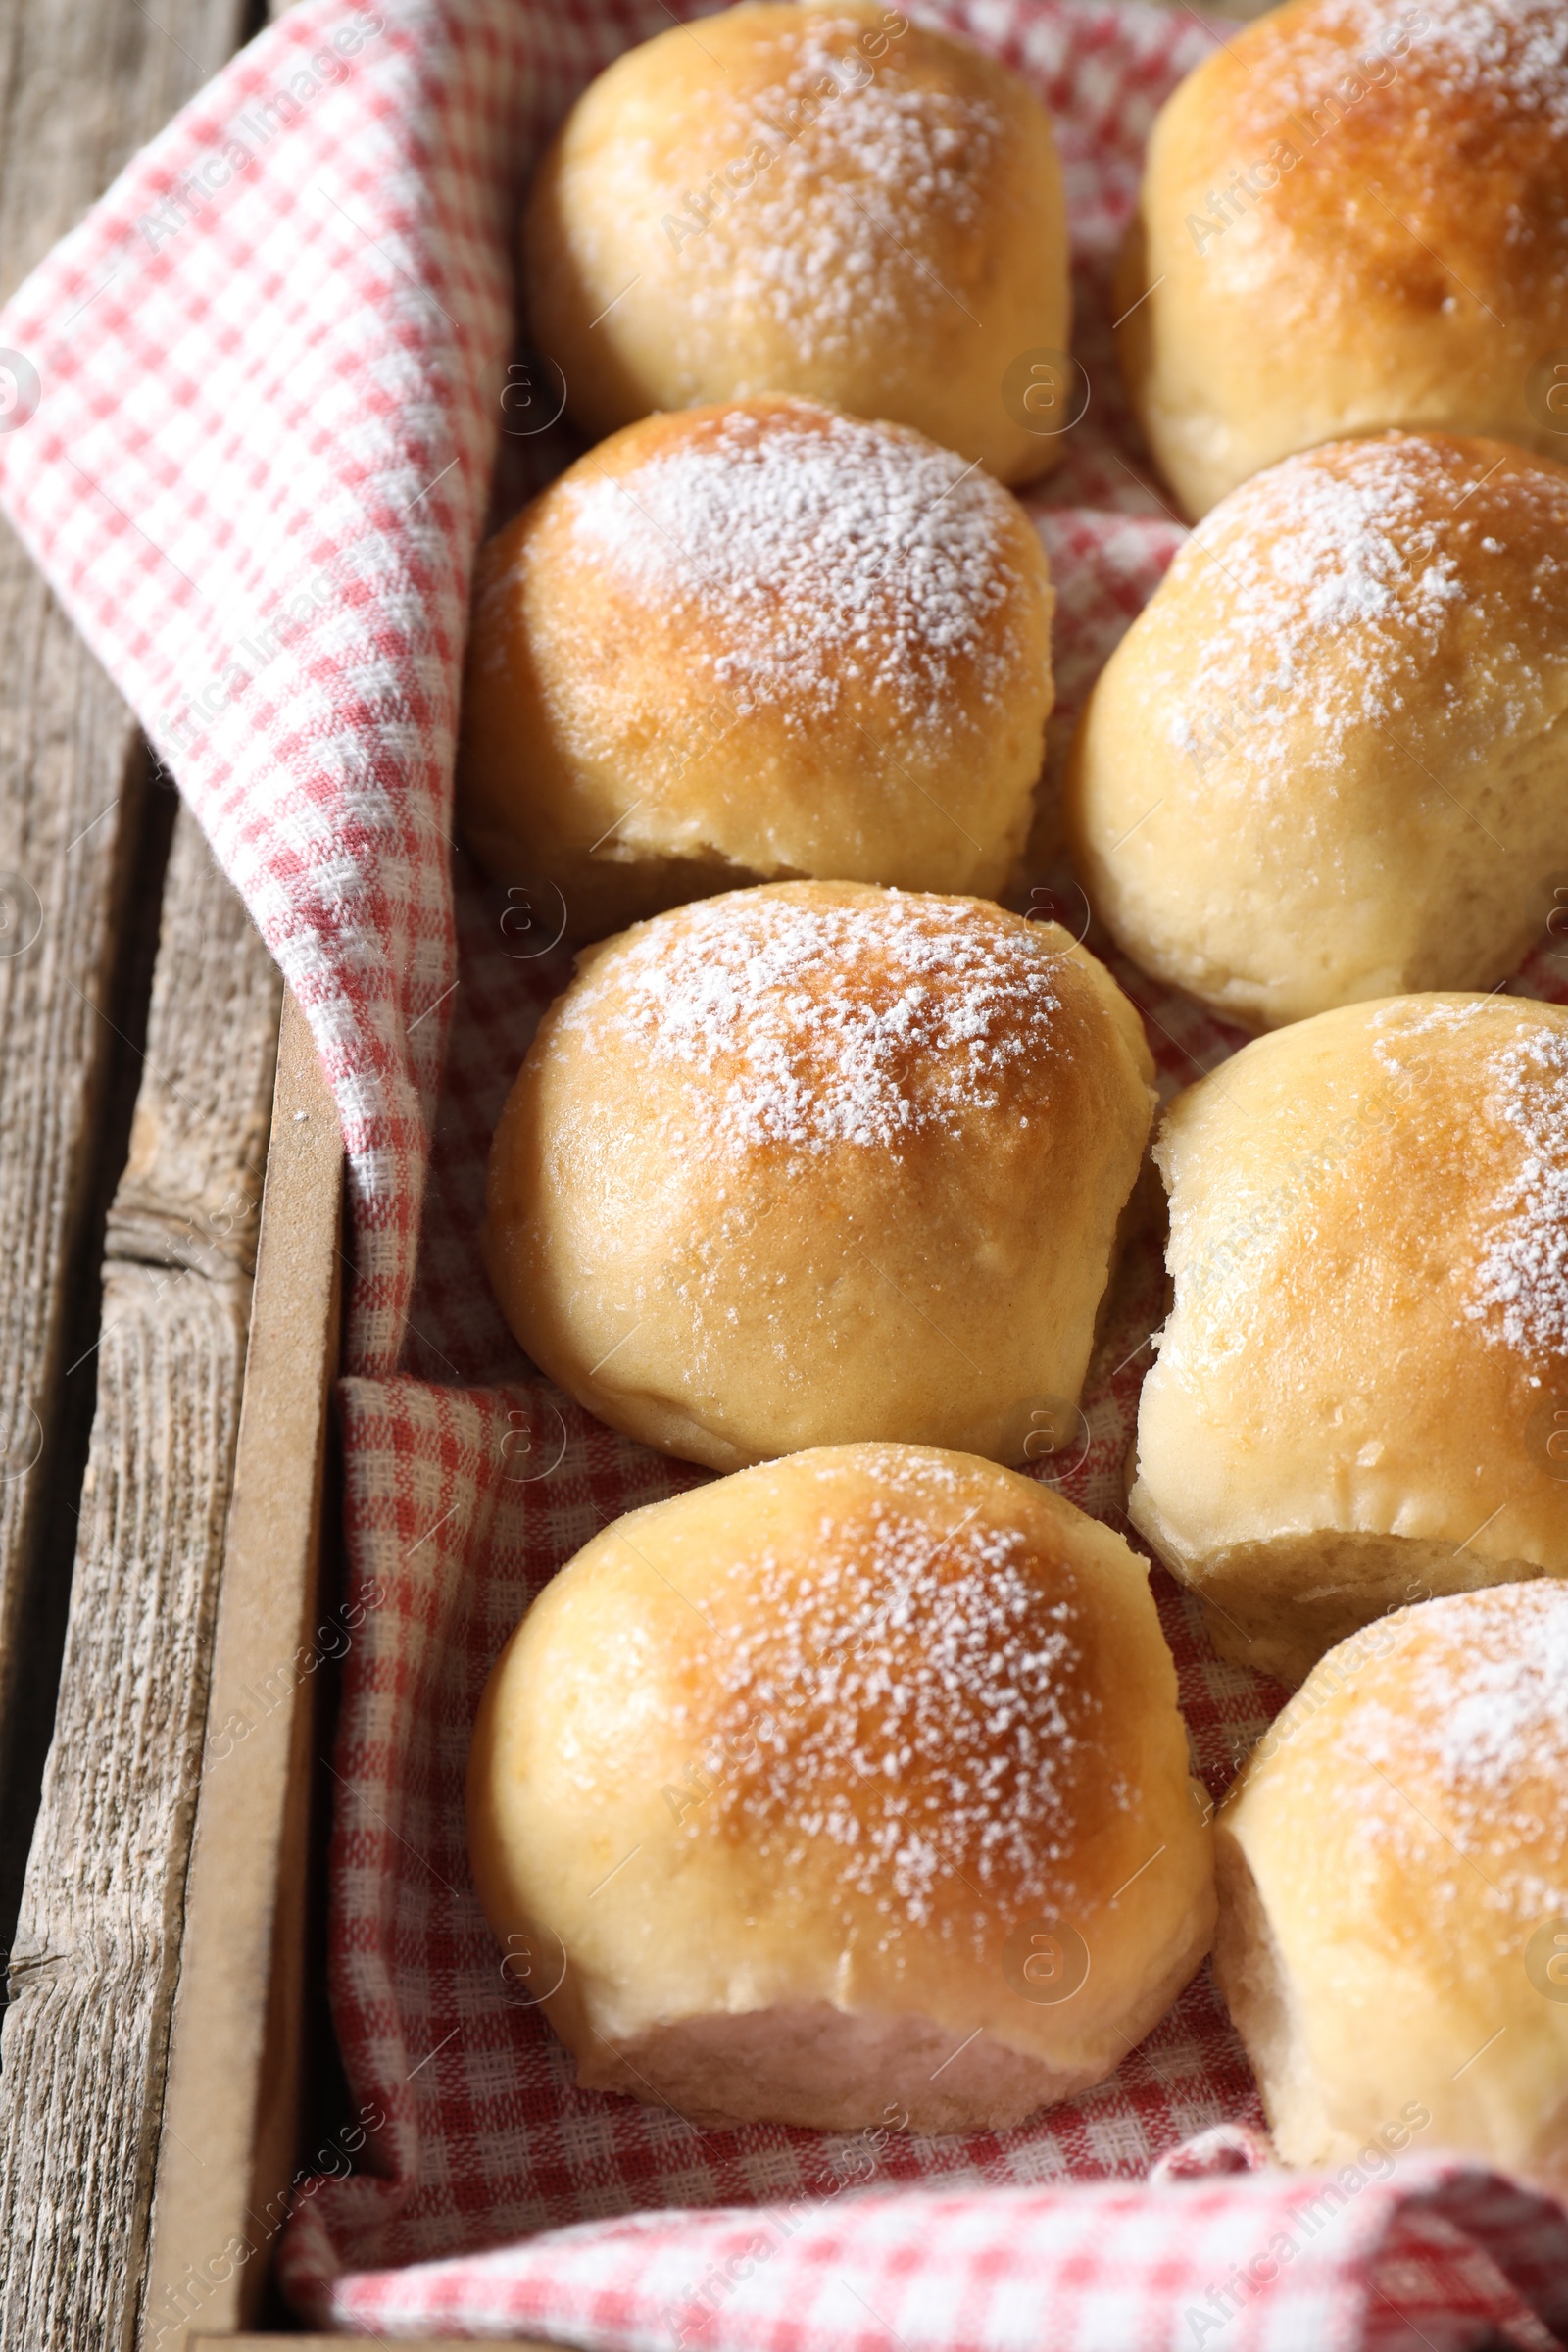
229	2126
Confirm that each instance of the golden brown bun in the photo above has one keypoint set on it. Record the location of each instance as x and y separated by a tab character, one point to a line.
1353	218
821	1162
847	1790
1356	1400
1329	760
885	229
1394	1879
750	641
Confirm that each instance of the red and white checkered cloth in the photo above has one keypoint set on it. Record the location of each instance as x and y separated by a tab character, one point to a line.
249	416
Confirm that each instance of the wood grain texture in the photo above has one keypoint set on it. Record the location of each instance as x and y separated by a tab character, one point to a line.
80	87
82	83
229	2150
96	1958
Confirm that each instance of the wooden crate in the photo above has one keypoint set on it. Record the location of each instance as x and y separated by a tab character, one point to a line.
235	2132
168	1517
159	1537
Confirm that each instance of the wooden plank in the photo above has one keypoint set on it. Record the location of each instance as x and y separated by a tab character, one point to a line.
82	86
229	2138
97	1946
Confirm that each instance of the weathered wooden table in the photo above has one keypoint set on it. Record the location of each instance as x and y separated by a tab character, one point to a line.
139	1042
169	1337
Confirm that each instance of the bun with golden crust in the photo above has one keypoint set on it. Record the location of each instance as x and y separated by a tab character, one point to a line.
751	641
848	1791
1329	760
1353	218
1394	1891
822	200
1361	1394
819	1162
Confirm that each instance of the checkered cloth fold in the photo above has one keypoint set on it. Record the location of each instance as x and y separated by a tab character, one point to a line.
251	425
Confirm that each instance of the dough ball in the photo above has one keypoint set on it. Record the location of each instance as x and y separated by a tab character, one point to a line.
848	1791
750	641
830	201
1329	760
819	1162
1393	1894
1353	217
1361	1396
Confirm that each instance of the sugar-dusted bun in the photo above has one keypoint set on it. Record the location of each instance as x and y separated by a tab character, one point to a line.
821	1162
823	200
1329	760
1394	1891
847	1790
1361	1396
1353	218
756	640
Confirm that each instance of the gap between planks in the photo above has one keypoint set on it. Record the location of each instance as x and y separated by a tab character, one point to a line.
82	85
98	1943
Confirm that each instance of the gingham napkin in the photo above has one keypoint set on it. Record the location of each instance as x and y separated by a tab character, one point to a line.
249	416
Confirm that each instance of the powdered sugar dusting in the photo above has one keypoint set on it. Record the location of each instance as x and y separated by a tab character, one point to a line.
1479	1729
1345	572
863	1020
857	161
1408	1017
1505	1718
920	1700
1521	1291
1513	53
1518	1082
813	553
